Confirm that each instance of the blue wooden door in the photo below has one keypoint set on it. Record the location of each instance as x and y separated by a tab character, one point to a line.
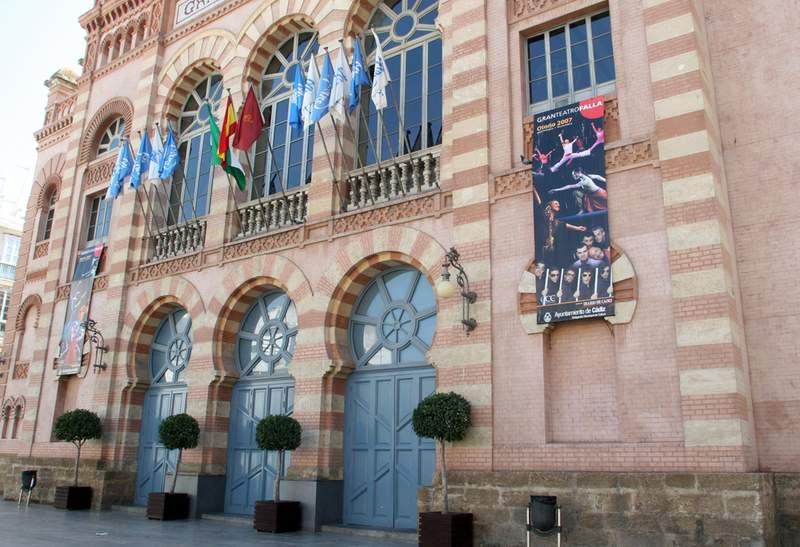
251	471
154	461
384	461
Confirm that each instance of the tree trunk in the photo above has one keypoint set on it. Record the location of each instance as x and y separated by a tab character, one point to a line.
445	508
175	476
77	464
276	495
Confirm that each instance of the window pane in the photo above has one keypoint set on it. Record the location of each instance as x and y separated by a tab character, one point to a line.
538	91
577	32
536	47
560	84
434	52
604	70
414	86
558	39
580	54
558	61
601	24
581	78
602	47
538	68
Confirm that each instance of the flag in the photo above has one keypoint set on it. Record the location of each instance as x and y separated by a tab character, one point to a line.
360	77
229	162
381	77
142	163
170	159
122	169
310	90
296	108
341	86
251	124
155	157
324	87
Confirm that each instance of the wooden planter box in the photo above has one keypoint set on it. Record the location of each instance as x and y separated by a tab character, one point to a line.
438	529
277	517
73	497
165	506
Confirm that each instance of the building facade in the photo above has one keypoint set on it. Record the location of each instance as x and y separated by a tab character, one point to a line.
312	292
11	222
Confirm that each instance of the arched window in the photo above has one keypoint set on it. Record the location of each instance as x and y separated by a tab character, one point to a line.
112	137
293	151
412	47
171	348
191	182
46	218
393	320
267	336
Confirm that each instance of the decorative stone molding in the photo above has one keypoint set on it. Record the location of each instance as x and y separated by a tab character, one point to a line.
62	293
119	107
521	9
98	173
626	293
170	267
263	244
53	183
100	283
279	28
42	249
36	275
21	371
388	213
31	301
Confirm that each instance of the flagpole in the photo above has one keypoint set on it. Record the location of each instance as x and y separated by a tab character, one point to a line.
333	172
252	172
274	164
230	184
136	199
163	211
150	208
186	185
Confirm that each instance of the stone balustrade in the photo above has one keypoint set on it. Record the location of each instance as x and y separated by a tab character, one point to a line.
408	175
180	240
273	212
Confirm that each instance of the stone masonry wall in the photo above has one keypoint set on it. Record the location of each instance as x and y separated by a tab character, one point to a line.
787	498
623	509
109	486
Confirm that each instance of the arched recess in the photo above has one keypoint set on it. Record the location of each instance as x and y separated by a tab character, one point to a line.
33	300
358	15
349	273
264	33
626	293
208	52
49	174
119	107
242	287
51	184
148	308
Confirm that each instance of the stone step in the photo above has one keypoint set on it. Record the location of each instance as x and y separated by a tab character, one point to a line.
141	509
231	518
370	531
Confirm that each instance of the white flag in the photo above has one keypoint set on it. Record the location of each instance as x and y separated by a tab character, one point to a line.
341	86
155	157
310	95
381	78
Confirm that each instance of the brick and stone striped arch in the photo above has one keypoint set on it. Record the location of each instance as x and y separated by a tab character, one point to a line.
119	107
264	33
241	288
209	52
152	303
358	16
51	185
364	257
51	173
32	301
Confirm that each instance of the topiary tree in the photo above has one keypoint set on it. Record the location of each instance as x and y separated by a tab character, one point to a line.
444	417
179	432
77	427
278	433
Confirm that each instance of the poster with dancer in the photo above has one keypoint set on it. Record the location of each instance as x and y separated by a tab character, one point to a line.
570	202
80	299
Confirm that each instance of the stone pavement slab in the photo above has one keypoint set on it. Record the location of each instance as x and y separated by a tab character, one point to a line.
43	525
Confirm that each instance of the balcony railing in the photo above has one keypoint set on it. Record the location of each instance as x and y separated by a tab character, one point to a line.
408	175
7	271
274	212
179	240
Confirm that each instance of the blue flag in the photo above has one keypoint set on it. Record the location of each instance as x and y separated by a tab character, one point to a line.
360	77
122	169
142	163
170	160
323	90
296	107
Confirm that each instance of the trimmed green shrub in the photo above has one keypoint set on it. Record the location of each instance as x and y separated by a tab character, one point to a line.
446	418
77	427
179	432
278	433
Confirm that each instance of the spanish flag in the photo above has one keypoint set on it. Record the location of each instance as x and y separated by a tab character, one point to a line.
220	144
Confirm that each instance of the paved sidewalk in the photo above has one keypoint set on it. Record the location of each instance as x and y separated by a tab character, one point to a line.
42	525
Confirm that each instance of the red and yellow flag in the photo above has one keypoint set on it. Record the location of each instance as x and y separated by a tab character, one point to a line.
229	127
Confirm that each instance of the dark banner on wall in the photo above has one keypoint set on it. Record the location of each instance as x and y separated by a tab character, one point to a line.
80	299
573	255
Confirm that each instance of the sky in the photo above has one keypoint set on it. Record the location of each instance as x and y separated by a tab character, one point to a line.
37	38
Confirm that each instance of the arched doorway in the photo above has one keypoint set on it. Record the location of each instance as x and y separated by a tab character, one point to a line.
391	327
170	352
264	347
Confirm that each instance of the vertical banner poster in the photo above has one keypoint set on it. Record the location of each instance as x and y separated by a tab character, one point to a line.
573	255
80	299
